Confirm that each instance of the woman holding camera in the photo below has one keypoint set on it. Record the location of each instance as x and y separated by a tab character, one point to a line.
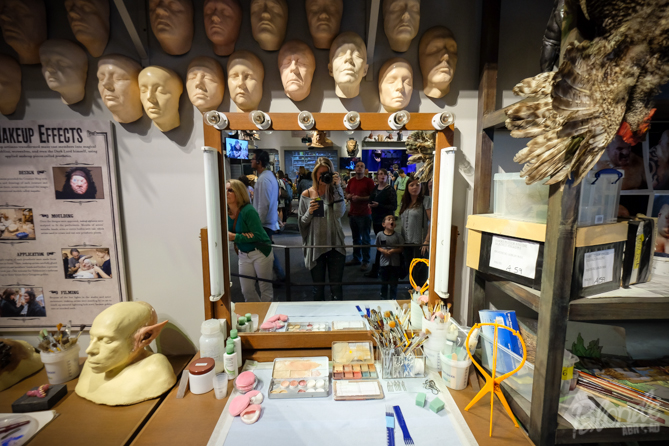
252	243
415	216
319	219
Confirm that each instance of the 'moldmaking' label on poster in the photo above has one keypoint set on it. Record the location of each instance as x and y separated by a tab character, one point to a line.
61	254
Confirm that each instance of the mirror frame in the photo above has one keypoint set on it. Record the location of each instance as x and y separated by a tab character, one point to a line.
328	122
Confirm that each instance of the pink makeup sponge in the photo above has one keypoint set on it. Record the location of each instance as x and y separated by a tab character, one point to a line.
256	396
283	318
273	318
238	405
267	325
251	414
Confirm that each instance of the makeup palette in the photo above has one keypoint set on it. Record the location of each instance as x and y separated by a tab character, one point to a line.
307	326
353	360
349	325
357	390
300	378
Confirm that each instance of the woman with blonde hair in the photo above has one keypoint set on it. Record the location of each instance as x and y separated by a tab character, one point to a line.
252	243
414	225
319	219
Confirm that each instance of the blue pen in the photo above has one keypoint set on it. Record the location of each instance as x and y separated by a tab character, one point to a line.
367	310
362	313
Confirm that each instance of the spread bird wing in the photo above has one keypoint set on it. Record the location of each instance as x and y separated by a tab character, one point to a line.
573	118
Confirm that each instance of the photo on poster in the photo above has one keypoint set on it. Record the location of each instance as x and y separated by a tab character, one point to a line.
17	224
630	159
631	205
658	141
86	263
78	183
22	301
661	212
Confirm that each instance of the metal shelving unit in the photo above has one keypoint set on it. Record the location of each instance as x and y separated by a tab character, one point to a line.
554	303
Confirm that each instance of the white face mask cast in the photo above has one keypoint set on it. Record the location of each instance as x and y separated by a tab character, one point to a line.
205	83
245	78
296	66
119	87
348	64
159	90
65	67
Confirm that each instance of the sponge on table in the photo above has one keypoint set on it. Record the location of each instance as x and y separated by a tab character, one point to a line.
436	405
420	400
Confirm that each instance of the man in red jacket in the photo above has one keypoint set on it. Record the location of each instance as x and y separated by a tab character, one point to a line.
358	190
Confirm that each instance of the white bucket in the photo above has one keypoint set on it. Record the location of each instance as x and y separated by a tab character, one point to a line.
437	338
416	319
455	373
62	366
432	359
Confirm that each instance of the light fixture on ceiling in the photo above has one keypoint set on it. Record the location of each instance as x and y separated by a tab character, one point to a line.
306	120
216	119
442	120
260	119
399	119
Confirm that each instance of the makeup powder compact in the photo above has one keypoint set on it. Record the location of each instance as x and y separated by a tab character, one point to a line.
353	360
201	379
300	378
307	326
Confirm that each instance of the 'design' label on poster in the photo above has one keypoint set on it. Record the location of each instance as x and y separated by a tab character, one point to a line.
598	267
514	256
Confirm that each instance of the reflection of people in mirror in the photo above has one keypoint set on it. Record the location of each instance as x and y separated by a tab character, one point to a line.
659	163
621	155
79	185
662	242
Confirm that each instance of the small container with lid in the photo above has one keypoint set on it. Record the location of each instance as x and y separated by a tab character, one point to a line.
202	374
241	324
249	322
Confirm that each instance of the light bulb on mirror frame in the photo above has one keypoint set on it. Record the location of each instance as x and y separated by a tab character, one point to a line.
306	120
399	119
442	120
216	119
260	119
352	121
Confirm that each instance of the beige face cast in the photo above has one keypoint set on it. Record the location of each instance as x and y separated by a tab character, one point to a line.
296	65
10	84
401	19
64	66
348	64
269	19
119	88
245	77
222	20
437	55
23	363
89	20
324	19
23	24
395	84
205	83
119	369
159	91
172	24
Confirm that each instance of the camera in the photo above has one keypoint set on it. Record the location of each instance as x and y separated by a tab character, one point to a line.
326	177
306	140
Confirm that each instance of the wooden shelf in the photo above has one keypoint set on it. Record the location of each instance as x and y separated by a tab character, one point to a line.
565	432
631	303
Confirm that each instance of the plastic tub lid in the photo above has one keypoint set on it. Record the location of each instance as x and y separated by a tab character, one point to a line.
201	366
210	326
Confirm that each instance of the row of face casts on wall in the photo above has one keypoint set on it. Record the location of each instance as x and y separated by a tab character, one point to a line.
125	87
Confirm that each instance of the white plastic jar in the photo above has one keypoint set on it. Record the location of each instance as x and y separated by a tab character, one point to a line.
212	343
201	379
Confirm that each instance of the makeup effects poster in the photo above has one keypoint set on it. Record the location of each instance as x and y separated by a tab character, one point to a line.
61	253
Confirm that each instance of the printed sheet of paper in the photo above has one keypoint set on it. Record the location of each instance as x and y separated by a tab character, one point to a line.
514	256
598	267
61	252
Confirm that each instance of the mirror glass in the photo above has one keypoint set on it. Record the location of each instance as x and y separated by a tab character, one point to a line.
337	238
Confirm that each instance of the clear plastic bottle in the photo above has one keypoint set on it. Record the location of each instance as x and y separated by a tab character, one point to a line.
212	343
249	322
237	342
230	360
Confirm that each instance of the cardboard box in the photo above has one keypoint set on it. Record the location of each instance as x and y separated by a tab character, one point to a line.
513	250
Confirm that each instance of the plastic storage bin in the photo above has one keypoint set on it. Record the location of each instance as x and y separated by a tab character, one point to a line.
516	200
600	195
522	380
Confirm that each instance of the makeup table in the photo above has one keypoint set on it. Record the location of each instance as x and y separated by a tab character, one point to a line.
81	422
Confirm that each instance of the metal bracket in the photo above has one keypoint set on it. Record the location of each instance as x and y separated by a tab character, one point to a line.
371	37
132	30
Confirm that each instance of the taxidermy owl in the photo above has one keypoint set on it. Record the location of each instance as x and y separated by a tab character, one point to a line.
604	87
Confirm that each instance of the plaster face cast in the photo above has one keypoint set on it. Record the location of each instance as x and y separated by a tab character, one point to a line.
222	20
159	91
437	55
324	18
296	65
205	83
23	362
395	84
172	24
10	84
348	64
401	19
269	19
23	24
118	87
64	66
245	77
119	369
89	20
